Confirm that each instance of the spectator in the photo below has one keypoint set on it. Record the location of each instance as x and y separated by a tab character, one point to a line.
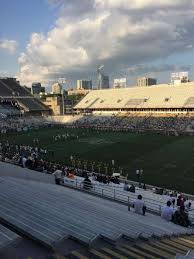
126	187
188	207
181	218
87	184
139	205
144	186
167	212
180	201
138	175
58	175
24	159
172	200
132	188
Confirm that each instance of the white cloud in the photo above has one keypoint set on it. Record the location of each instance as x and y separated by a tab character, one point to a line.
8	45
117	33
139	4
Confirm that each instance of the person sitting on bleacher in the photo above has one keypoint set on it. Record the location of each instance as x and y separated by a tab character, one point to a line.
126	187
87	184
139	205
181	217
132	188
167	212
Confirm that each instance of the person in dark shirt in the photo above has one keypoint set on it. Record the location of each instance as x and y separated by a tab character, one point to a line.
132	188
181	218
87	184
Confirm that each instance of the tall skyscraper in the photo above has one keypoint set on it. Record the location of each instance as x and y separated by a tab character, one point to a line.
84	84
120	83
56	88
103	81
36	88
146	81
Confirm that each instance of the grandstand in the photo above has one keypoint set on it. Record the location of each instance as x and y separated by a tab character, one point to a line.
18	100
73	224
158	99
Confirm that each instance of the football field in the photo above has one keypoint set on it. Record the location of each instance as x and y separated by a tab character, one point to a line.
167	161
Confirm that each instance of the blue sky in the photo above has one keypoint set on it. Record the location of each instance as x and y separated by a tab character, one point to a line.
70	38
19	19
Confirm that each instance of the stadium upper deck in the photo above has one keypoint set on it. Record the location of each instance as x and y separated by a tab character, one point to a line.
158	98
12	91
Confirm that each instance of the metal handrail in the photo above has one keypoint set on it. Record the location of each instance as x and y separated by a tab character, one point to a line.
114	194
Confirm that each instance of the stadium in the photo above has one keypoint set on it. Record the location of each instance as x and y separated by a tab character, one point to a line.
118	145
16	100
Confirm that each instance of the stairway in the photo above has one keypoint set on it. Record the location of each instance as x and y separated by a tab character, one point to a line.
164	248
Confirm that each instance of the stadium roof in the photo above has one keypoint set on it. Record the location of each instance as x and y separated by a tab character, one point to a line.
158	96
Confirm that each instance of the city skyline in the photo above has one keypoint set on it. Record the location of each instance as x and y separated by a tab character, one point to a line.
48	39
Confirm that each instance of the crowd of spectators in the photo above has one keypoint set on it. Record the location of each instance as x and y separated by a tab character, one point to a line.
131	122
21	124
32	157
127	122
179	215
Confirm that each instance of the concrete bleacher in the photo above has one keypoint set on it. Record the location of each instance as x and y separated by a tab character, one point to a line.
7	237
31	104
8	109
13	87
51	214
5	91
154	202
11	90
158	96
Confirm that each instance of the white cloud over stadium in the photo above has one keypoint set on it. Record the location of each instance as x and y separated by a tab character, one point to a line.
8	45
118	33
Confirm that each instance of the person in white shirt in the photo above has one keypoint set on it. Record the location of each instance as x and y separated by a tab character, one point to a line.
167	212
58	176
139	205
24	159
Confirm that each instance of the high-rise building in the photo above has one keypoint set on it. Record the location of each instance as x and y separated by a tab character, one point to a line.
56	88
179	78
146	81
120	83
103	81
36	88
42	89
84	84
55	103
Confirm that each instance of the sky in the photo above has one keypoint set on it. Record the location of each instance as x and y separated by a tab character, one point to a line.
44	40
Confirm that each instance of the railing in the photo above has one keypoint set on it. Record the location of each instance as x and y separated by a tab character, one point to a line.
116	194
112	193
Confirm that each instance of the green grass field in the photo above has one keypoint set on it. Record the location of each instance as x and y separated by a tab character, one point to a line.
167	161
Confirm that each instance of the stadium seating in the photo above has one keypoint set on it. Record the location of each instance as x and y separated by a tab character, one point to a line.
154	202
51	213
31	104
159	96
7	237
11	90
9	110
4	90
14	87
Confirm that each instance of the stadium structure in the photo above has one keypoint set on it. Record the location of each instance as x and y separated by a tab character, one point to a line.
41	220
158	99
16	100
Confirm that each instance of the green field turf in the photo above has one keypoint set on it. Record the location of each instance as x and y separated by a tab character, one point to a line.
167	161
